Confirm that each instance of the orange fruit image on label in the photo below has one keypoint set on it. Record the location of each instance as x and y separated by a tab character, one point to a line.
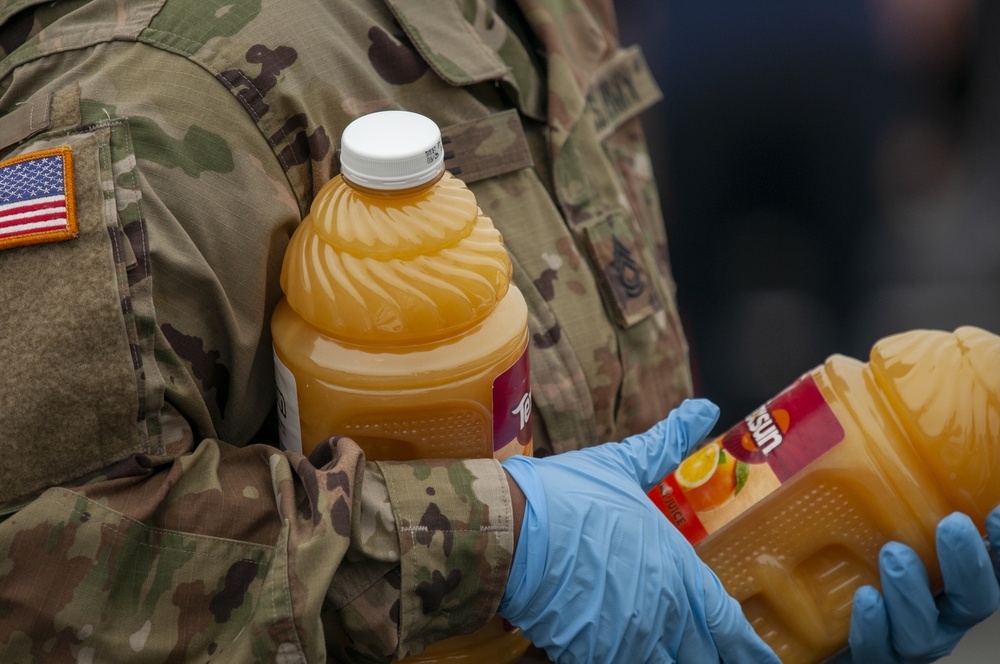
708	477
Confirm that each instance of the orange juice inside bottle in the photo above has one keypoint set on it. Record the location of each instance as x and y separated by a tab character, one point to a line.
791	506
400	327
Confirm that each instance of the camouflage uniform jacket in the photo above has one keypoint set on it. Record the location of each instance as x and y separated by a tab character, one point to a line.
192	136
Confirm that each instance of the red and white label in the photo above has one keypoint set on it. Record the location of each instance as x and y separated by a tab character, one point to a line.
512	410
748	462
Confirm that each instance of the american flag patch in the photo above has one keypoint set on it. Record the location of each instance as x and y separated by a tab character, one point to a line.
36	198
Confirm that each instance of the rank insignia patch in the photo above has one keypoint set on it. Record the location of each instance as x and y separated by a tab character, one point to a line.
36	198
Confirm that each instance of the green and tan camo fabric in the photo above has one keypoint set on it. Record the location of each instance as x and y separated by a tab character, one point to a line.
200	131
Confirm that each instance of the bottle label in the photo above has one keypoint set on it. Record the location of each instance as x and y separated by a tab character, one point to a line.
512	410
726	477
289	430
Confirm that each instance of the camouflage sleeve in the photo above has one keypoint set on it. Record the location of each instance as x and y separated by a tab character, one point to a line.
413	517
254	554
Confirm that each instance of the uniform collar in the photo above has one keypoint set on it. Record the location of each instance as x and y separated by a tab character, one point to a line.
467	42
575	44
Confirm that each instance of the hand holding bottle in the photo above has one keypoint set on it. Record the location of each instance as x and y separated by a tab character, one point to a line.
906	624
601	576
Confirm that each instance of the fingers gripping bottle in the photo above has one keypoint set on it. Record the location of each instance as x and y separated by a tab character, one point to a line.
791	506
400	327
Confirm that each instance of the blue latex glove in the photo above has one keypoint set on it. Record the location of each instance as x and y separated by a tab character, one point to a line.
600	575
906	624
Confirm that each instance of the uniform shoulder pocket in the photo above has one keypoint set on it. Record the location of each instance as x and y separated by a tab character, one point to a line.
75	389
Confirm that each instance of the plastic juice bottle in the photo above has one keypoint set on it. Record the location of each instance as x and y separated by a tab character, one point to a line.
400	327
791	506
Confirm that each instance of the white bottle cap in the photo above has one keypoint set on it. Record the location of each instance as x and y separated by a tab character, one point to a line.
391	150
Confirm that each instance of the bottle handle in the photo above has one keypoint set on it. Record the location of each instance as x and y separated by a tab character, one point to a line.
844	656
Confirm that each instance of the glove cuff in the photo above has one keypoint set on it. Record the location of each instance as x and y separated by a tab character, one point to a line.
528	568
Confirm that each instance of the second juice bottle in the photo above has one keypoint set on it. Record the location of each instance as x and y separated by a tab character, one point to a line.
791	506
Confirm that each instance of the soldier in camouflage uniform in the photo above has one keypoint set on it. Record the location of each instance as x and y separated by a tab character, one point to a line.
199	132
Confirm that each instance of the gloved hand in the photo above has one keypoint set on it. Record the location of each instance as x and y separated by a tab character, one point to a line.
600	575
906	624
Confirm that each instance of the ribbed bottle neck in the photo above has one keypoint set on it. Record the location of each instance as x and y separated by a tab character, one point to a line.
391	194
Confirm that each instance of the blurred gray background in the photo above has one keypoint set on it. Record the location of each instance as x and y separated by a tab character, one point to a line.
829	172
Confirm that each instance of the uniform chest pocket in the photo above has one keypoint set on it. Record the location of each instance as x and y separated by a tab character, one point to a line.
74	390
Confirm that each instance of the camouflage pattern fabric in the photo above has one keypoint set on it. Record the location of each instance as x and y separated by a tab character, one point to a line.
206	128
